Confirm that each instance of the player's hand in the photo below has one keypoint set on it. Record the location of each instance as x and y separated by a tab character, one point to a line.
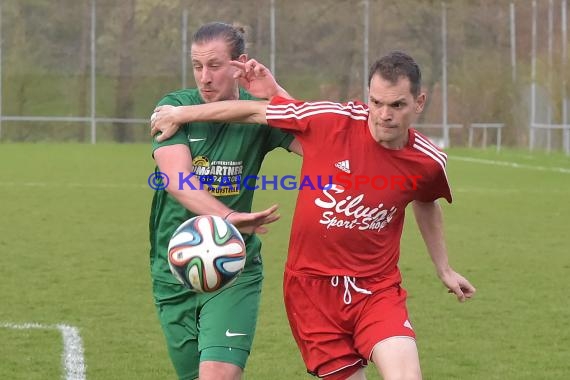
257	79
164	120
457	284
254	222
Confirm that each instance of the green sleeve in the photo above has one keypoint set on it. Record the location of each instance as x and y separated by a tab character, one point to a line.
278	138
181	135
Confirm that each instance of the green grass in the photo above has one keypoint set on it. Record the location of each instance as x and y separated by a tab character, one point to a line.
73	237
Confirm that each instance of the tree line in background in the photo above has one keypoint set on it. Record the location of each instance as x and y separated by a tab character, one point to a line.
319	54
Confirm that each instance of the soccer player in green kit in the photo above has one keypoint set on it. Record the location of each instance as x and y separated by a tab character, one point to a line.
210	335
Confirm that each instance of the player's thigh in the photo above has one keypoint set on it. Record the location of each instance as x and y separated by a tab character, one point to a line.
176	308
321	326
357	375
349	373
228	320
397	358
384	316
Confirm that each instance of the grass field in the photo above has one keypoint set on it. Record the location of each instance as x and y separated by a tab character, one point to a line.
74	246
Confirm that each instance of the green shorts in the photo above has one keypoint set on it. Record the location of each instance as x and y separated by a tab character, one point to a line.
217	326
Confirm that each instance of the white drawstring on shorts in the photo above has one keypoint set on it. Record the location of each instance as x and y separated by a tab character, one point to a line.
349	282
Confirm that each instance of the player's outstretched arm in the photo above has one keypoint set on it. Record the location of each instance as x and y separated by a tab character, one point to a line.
175	161
167	119
251	75
429	218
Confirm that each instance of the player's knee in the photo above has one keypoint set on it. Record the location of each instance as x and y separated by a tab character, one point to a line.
408	371
404	375
397	359
211	370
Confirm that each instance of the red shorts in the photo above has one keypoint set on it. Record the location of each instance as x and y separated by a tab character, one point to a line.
335	335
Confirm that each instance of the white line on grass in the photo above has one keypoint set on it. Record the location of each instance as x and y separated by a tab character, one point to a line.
502	191
511	164
72	358
79	185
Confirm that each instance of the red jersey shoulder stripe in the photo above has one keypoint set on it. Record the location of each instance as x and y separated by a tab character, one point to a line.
428	144
306	109
430	154
430	150
300	110
270	116
352	105
426	147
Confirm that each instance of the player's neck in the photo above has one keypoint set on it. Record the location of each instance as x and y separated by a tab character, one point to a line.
392	145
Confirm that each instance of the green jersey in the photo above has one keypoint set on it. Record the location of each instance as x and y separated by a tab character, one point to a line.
226	159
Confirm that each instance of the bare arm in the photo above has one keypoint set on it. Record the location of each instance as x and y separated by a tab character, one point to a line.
429	218
296	147
169	118
176	162
251	75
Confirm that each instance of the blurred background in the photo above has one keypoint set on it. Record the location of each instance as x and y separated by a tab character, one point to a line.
80	78
92	70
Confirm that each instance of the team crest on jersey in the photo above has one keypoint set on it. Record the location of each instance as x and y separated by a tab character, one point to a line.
200	161
220	178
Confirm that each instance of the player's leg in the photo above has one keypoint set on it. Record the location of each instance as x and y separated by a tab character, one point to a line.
322	327
397	358
213	370
176	308
351	373
227	327
385	335
358	375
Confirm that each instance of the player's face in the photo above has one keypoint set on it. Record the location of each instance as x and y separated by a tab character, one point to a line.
393	108
213	72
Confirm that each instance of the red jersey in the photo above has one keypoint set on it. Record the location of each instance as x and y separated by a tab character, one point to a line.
353	192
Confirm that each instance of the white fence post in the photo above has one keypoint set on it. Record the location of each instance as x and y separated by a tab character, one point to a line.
93	71
0	70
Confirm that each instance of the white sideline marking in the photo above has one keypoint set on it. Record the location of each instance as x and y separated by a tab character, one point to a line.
503	191
72	358
79	185
511	164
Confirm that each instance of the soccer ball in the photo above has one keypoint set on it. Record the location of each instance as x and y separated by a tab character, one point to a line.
206	253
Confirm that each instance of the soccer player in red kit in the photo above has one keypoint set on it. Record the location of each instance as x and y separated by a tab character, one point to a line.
342	283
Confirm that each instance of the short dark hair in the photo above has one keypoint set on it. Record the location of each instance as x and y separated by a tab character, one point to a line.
395	65
232	35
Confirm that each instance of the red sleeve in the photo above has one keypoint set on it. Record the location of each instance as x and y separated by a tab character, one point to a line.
432	176
438	188
300	116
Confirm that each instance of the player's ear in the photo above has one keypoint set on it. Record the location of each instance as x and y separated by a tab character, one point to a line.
242	58
420	102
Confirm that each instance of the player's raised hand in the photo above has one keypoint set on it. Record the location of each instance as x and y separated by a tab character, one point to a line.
165	120
257	79
254	222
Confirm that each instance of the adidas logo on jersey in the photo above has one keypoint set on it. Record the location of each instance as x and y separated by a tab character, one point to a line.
343	165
